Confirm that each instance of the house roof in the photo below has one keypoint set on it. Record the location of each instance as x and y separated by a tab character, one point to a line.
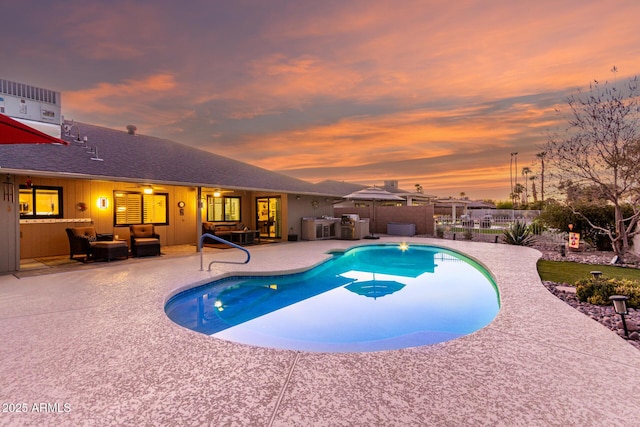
145	159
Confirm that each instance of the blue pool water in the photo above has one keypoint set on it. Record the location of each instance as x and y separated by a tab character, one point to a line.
369	298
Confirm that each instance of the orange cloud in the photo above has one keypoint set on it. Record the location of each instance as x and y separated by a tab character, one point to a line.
123	99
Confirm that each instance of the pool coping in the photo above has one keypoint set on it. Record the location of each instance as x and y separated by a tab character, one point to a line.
98	340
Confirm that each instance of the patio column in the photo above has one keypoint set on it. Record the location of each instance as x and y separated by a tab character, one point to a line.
199	207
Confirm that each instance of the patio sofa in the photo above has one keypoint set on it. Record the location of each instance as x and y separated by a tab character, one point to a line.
232	231
144	240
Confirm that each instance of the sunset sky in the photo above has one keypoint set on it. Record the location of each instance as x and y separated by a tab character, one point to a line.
437	93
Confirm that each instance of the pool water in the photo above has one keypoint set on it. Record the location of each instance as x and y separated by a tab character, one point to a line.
368	298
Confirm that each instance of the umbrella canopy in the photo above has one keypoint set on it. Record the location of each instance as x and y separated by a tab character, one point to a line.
372	193
374	288
14	132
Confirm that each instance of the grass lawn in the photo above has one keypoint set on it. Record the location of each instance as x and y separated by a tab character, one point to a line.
571	272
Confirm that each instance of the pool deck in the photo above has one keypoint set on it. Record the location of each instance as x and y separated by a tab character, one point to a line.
97	343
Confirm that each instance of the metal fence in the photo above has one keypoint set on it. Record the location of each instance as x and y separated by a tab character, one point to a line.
490	229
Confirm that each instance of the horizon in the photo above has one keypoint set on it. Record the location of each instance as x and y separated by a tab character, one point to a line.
430	93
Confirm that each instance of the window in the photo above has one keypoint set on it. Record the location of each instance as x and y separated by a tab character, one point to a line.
40	202
223	208
138	208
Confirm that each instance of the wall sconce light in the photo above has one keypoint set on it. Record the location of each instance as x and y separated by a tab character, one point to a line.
298	197
148	190
103	203
216	194
620	307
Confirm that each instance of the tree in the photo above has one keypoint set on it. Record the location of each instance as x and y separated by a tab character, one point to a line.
534	192
600	150
525	173
516	196
541	156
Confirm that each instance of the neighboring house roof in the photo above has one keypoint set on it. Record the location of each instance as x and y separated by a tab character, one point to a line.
343	188
471	204
144	159
340	188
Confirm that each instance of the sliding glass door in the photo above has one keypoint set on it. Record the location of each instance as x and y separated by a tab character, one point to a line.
268	210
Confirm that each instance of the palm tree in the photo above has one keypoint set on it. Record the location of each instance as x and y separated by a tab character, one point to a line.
534	193
518	189
511	172
541	157
525	172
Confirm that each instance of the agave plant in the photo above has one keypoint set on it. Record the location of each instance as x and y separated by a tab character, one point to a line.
519	234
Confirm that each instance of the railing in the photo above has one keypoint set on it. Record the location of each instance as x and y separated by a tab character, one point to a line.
226	242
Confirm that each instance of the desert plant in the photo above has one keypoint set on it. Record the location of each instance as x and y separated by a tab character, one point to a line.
594	291
598	291
537	228
518	234
631	289
468	234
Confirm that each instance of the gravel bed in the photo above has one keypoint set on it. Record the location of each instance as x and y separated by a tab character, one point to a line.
603	314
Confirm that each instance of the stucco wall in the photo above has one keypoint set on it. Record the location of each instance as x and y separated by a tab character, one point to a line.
421	216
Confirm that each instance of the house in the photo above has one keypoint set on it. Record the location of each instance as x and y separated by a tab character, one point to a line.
453	208
415	198
113	178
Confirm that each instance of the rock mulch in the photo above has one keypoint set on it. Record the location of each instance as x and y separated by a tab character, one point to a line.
603	314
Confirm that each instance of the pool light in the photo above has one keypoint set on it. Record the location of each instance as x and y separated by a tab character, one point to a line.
620	307
404	246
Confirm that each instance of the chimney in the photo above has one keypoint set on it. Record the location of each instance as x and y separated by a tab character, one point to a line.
131	129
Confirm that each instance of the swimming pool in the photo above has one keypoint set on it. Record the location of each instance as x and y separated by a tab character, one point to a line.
368	298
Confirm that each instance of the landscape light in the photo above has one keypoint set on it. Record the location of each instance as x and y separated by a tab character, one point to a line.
620	307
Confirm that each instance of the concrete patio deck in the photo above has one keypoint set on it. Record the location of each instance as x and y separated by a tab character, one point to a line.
95	347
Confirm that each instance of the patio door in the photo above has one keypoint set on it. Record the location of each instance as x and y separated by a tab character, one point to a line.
269	216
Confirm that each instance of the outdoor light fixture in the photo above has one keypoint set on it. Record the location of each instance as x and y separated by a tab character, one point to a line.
620	307
148	190
216	194
103	202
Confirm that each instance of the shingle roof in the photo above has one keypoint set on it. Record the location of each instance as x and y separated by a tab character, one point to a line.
141	158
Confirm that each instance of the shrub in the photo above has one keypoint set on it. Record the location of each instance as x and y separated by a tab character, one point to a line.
595	292
537	227
598	291
518	234
440	231
468	234
631	289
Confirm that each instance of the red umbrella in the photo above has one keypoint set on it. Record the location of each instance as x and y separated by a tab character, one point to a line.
14	132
